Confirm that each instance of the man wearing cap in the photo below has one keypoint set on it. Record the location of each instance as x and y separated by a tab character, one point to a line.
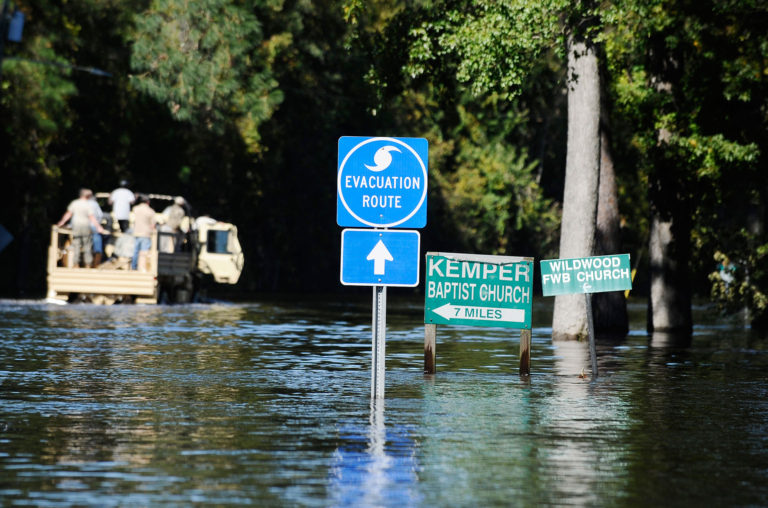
121	200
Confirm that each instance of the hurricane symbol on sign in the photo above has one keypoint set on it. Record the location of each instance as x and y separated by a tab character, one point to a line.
382	158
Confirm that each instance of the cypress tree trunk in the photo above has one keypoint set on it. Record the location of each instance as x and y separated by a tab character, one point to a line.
577	232
610	309
669	305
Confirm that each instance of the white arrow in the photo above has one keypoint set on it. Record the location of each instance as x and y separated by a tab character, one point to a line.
379	254
450	311
586	287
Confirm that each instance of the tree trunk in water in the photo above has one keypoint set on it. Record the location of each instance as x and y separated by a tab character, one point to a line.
610	309
669	305
577	233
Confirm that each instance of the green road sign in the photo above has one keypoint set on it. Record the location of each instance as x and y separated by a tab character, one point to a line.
478	290
585	275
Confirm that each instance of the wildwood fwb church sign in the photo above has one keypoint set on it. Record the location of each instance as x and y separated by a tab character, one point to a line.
585	275
596	274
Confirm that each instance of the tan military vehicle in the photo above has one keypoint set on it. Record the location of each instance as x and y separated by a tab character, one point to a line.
173	270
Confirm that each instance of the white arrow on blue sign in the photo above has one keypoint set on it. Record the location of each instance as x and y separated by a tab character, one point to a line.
382	182
371	257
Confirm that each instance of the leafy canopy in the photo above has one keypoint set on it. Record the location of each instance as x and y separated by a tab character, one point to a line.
204	60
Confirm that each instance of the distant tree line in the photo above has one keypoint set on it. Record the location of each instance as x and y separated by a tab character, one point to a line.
237	105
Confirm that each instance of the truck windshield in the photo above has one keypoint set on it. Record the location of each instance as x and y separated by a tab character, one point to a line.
218	241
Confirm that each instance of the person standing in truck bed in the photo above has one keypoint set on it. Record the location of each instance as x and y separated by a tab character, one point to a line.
143	226
121	200
98	241
82	218
174	216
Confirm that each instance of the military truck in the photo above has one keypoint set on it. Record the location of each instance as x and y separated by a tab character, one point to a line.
175	269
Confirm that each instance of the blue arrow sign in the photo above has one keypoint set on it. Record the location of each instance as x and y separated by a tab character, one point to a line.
371	257
382	182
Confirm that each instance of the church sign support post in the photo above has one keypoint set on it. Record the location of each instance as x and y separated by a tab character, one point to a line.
588	275
478	290
381	184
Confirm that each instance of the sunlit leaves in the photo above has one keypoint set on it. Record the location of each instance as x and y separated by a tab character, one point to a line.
493	197
203	59
495	43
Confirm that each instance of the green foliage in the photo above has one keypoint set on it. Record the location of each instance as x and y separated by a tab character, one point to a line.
495	202
37	95
689	85
40	92
483	81
740	284
205	60
449	71
478	37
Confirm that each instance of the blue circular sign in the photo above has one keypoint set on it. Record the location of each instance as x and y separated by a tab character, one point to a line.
382	182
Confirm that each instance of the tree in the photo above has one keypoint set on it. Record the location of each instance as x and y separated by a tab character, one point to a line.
473	43
582	174
610	308
436	71
35	91
492	197
205	60
678	74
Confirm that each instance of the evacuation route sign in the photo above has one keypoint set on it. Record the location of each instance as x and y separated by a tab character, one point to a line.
585	275
382	182
478	290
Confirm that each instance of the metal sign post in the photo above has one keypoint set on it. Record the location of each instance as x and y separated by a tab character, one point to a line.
379	327
591	331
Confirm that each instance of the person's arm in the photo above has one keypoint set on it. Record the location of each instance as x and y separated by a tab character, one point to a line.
64	218
96	224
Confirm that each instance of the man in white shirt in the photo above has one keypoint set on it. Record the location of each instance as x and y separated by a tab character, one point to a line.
121	200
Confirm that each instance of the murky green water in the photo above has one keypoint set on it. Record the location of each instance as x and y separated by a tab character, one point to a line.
268	404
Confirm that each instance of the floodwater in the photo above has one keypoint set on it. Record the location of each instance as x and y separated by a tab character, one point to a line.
268	404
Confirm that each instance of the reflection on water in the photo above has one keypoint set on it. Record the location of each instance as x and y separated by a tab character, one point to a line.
376	467
269	404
